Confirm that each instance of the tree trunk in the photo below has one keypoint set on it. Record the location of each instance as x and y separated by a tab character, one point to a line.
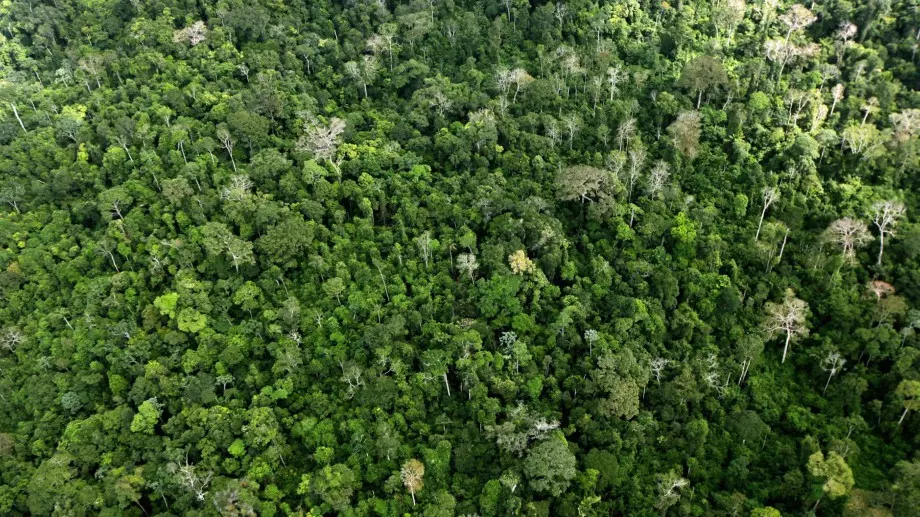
760	224
16	112
881	247
903	415
786	348
783	247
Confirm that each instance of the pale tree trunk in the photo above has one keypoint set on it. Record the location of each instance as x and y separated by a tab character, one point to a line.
447	384
760	224
413	497
881	247
16	112
786	348
783	247
903	415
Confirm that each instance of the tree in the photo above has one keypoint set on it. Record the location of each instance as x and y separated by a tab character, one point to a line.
861	139
193	34
850	234
670	486
385	41
832	472
572	124
621	378
832	364
657	366
658	177
412	474
770	195
582	183
701	74
322	139
685	132
363	72
148	414
187	476
226	139
13	194
466	262
550	466
614	77
797	18
885	216
520	263
727	15
909	391
335	485
11	338
789	318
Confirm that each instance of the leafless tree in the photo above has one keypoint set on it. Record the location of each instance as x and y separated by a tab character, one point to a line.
425	243
561	13
837	93
581	182
770	196
685	131
845	33
636	162
193	34
12	194
591	337
783	52
861	139
572	125
885	216
237	189
657	367
727	15
193	481
797	18
849	234
870	106
467	263
658	177
520	79
905	124
107	248
669	488
789	318
614	78
625	132
364	72
352	376
552	133
832	364
385	42
322	139
818	117
226	139
10	338
412	474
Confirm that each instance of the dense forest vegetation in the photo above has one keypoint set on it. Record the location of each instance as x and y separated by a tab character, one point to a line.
459	257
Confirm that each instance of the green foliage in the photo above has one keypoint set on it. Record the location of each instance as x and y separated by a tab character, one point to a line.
458	258
550	466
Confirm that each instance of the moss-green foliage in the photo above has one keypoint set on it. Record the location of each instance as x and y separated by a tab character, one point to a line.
261	258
